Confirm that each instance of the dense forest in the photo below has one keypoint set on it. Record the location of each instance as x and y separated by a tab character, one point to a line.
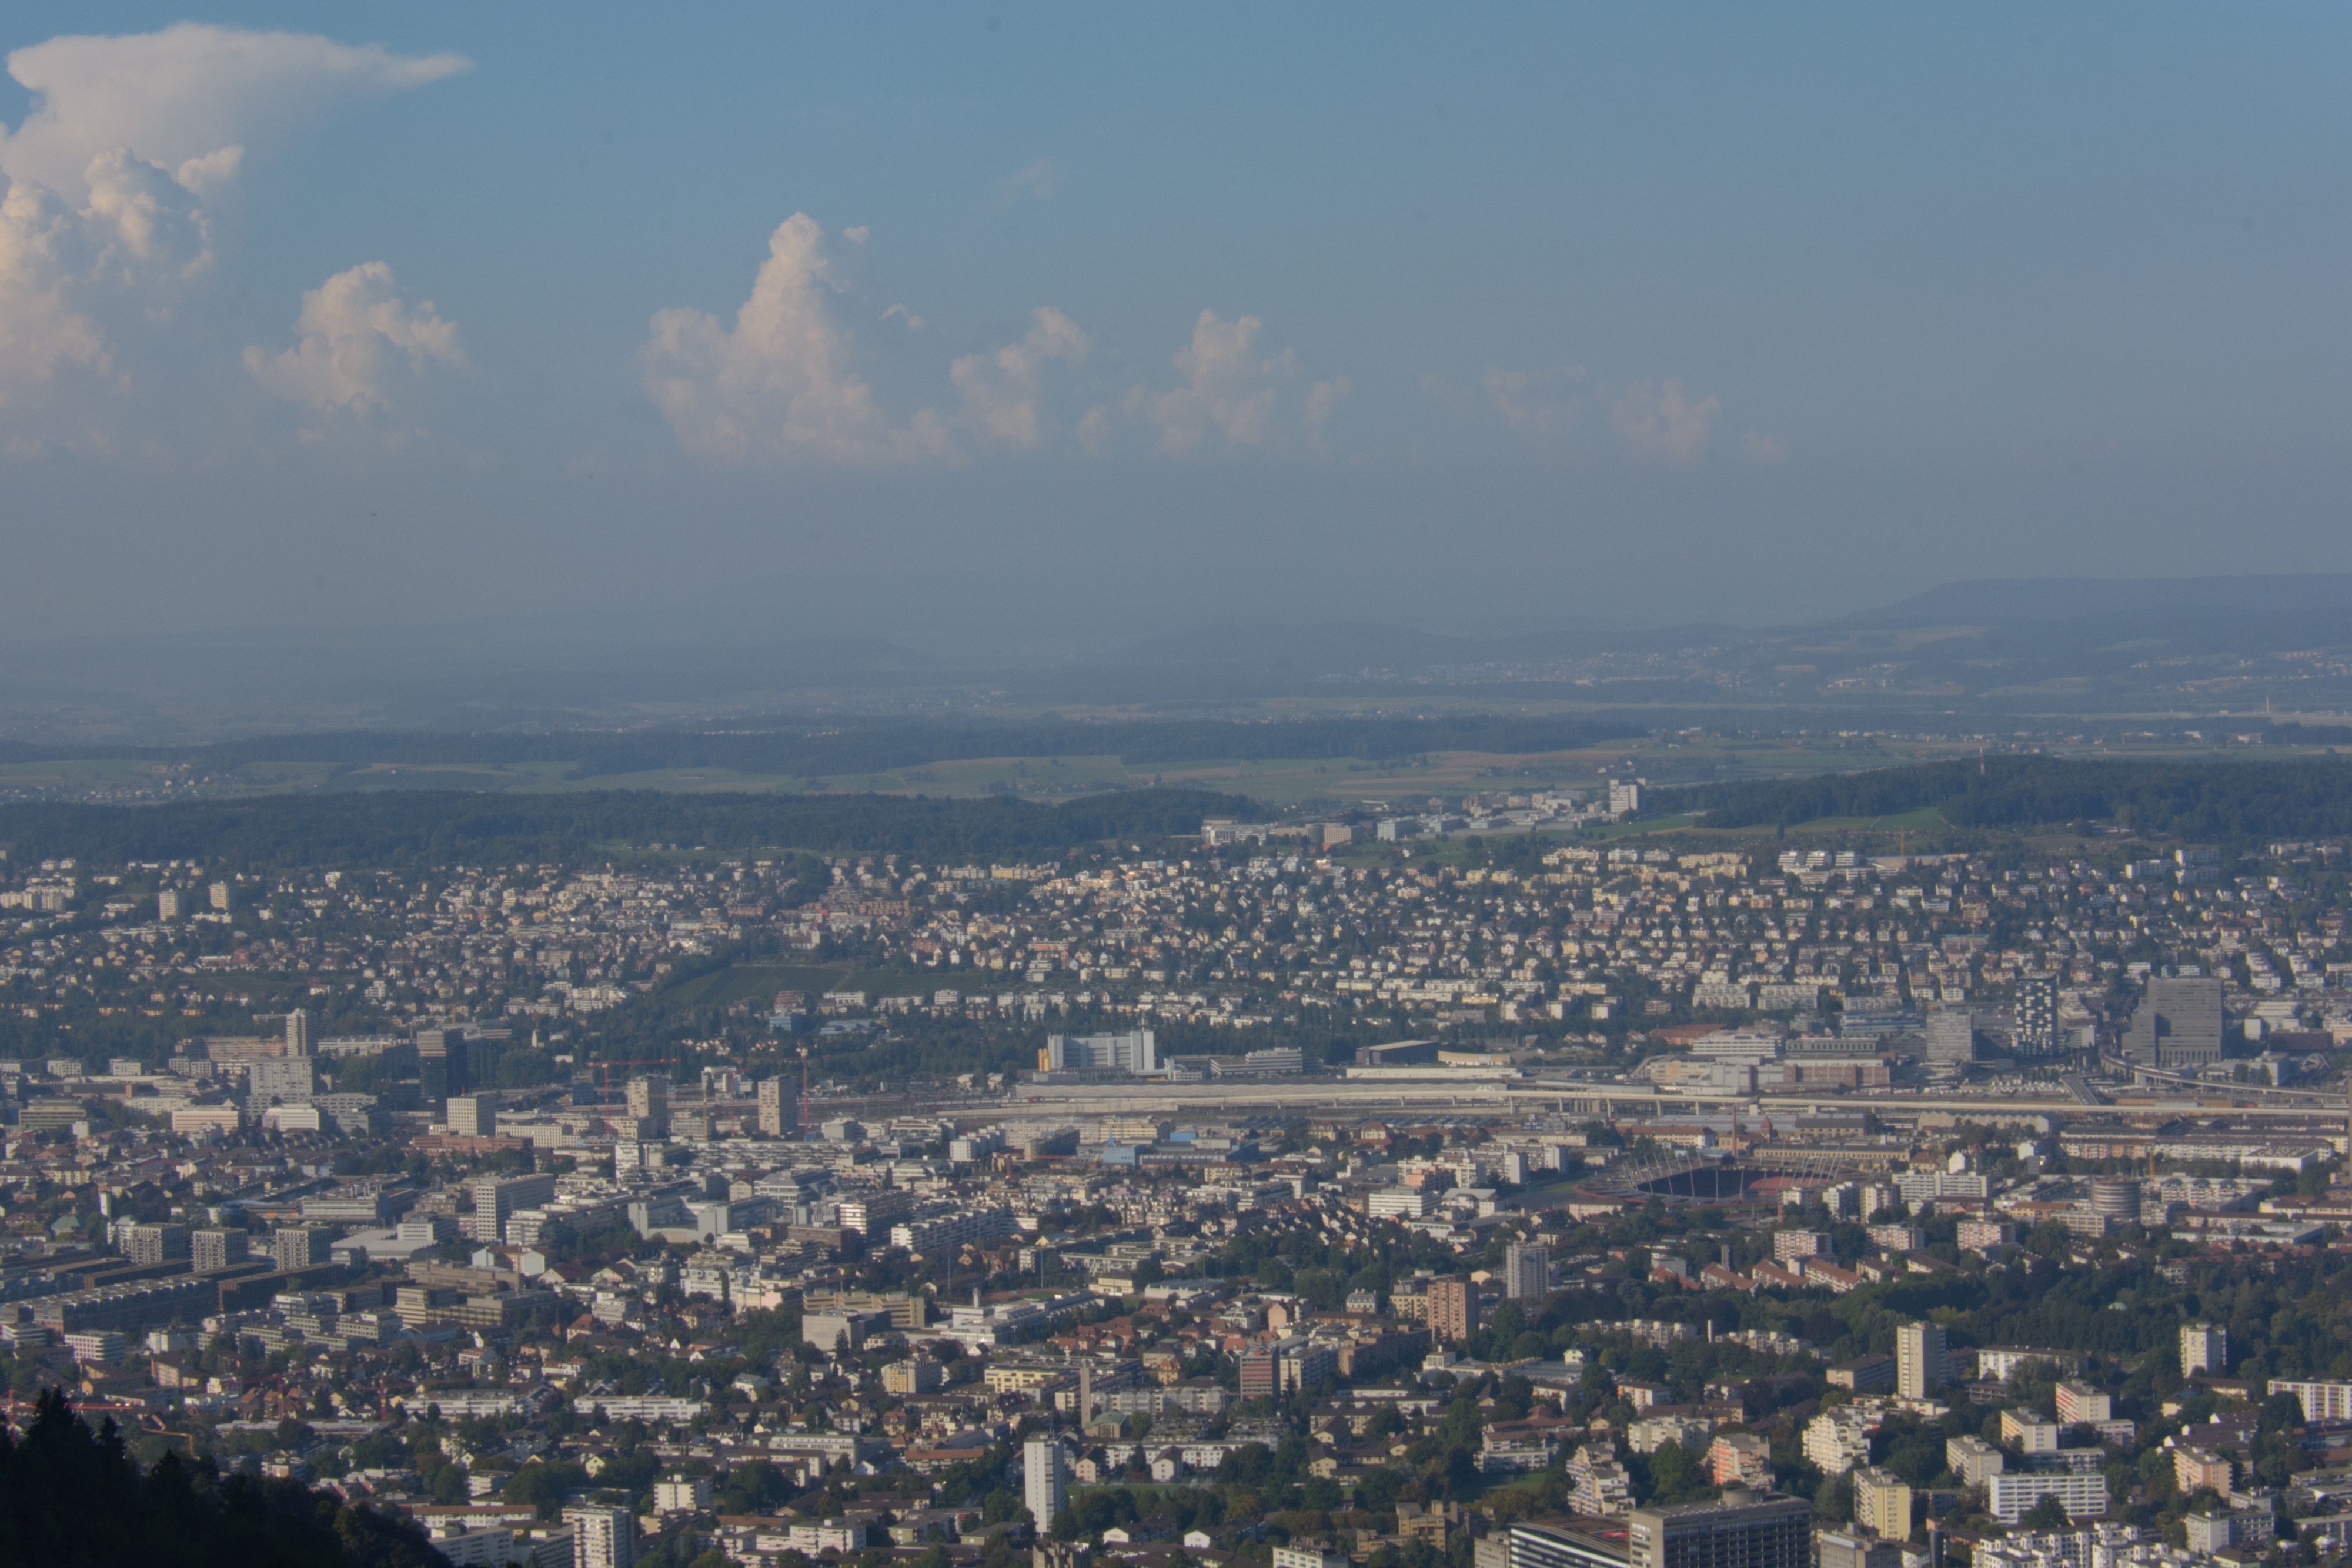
398	828
2218	802
72	1495
875	748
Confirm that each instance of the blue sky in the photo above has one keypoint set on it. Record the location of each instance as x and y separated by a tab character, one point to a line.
1485	315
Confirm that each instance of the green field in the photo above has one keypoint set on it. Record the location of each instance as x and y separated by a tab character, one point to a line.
1319	783
759	983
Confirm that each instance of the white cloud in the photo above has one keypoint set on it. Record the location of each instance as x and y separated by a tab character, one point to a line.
145	224
1231	389
1659	424
353	328
779	381
1322	398
102	226
188	98
1000	391
42	329
788	380
785	381
1040	179
71	278
1758	447
1534	401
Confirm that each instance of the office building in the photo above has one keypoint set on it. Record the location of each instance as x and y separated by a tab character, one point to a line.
441	1066
1919	1359
2116	1199
1397	1202
496	1199
1744	1529
649	1104
1136	1052
214	1250
2177	1025
1881	1504
1559	1546
873	1215
1527	1272
1452	1309
603	1537
282	1079
1261	1374
1044	1480
148	1245
2204	1347
223	898
2037	1016
167	904
1951	1037
472	1115
1852	1549
298	1032
777	1111
298	1247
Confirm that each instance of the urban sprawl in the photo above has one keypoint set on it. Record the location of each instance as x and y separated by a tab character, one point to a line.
1389	1191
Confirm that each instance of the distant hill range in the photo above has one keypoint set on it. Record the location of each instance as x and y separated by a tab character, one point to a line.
2086	598
1997	647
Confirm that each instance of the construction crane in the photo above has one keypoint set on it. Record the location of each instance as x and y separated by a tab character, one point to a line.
606	1092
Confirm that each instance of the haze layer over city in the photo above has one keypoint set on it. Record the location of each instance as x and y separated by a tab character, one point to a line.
1238	788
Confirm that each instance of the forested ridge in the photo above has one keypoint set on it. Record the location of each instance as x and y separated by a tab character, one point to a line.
809	751
2220	801
424	827
72	1495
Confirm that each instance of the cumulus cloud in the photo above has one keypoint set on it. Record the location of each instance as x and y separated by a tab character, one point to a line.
1658	423
1758	447
68	276
1234	389
787	380
1535	402
355	329
1002	390
780	380
188	98
784	381
42	329
103	222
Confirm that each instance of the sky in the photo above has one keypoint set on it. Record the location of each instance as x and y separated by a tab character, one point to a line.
944	323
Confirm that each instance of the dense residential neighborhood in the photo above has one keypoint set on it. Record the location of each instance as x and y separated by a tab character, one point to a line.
1395	1196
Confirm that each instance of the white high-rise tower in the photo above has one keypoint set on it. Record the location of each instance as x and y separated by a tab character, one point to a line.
1045	1482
